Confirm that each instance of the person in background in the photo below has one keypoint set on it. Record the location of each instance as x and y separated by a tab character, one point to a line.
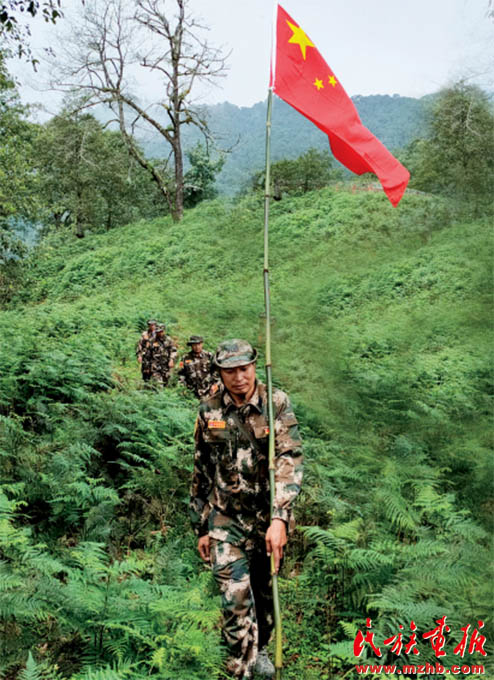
196	371
160	354
142	347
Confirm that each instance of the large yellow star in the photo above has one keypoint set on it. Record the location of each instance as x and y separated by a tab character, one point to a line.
299	38
332	81
318	84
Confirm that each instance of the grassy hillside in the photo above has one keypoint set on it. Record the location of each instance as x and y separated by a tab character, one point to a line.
382	337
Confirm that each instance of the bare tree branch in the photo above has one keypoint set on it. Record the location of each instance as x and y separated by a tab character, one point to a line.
117	44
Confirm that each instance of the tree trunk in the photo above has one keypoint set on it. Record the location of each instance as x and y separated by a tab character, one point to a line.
78	222
178	211
141	158
177	100
109	218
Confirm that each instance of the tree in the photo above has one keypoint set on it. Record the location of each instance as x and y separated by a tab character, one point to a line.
15	35
457	156
115	47
16	133
199	179
17	180
87	177
311	170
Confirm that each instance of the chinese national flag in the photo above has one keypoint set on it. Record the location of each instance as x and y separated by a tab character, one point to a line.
301	77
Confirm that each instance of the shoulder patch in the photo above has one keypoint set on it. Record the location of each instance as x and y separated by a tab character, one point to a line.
261	431
216	424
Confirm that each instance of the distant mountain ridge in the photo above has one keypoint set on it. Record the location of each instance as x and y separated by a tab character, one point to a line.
394	119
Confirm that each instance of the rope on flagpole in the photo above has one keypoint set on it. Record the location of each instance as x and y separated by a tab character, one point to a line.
269	380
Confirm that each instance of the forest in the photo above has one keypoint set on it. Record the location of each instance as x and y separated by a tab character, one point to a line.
382	336
395	120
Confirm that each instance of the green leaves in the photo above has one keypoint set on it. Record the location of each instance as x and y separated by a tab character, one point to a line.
456	158
87	178
382	329
19	205
32	671
311	170
199	180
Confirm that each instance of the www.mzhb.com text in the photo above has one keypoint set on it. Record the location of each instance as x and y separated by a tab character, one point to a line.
421	669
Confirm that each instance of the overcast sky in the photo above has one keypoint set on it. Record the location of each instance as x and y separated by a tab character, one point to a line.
374	46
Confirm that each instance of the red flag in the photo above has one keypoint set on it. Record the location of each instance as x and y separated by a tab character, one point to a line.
301	77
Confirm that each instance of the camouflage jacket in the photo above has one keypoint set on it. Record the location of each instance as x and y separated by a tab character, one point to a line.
143	344
197	373
230	494
158	353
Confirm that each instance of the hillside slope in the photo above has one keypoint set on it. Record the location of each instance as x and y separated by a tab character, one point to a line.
381	337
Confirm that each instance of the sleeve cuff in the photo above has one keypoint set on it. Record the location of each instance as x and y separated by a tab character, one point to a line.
201	528
282	513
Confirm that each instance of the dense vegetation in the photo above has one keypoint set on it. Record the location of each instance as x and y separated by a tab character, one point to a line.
382	334
75	171
99	575
395	120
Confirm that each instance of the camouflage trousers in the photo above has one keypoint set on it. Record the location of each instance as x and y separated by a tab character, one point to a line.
160	378
242	573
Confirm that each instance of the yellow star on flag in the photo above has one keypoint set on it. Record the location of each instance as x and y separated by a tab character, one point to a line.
318	84
300	38
332	81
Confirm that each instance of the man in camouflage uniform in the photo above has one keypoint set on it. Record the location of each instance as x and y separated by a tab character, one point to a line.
230	500
160	355
143	346
196	370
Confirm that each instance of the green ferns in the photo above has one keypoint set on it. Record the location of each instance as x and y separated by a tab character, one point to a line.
381	337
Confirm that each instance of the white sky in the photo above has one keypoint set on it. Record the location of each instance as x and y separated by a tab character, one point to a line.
411	47
374	46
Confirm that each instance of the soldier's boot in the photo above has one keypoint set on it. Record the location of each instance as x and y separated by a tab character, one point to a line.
264	665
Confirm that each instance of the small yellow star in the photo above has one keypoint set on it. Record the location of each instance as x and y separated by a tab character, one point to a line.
299	38
318	84
332	81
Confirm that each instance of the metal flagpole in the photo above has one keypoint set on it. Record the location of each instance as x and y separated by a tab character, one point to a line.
267	304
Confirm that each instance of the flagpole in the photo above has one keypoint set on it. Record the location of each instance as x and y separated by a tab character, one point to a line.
269	380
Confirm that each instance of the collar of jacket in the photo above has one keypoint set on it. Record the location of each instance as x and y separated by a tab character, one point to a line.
254	402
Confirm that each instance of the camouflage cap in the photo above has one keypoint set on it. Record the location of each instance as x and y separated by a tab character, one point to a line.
232	353
151	321
160	327
195	339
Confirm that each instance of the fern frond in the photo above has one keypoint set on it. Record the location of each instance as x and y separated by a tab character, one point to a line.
32	671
